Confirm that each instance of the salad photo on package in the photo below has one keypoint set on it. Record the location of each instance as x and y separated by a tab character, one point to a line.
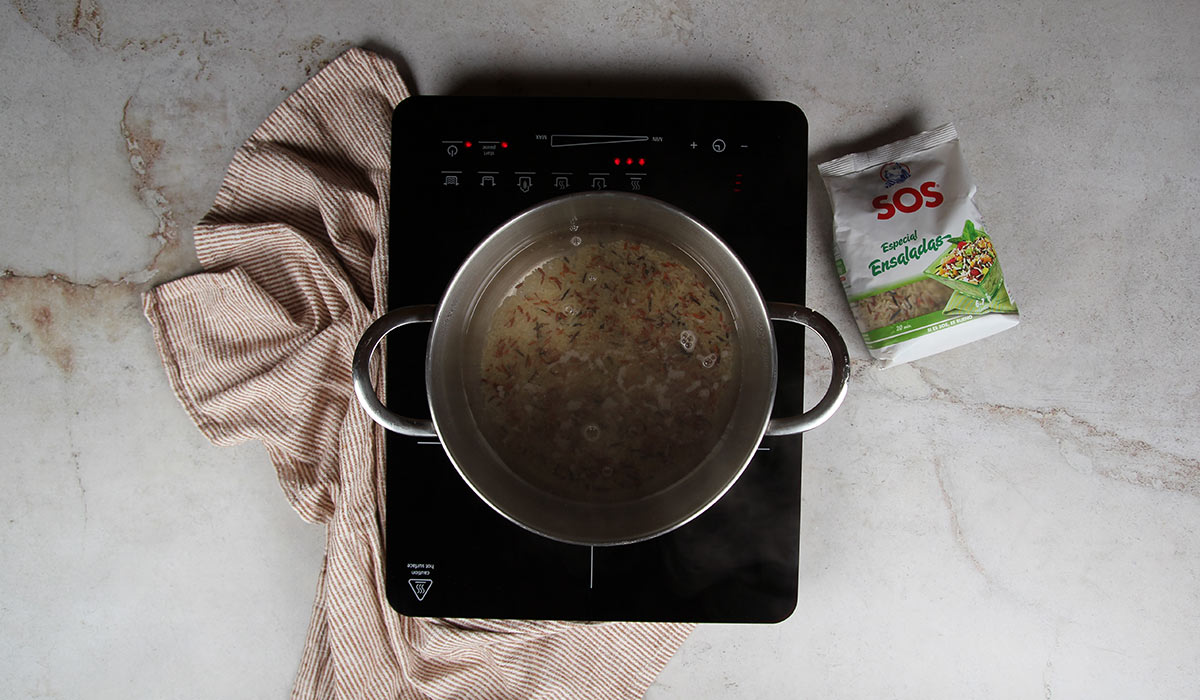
972	270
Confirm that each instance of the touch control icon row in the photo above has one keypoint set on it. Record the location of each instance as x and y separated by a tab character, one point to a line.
526	181
718	145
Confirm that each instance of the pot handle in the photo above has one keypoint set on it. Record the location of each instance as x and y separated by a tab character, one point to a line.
361	370
841	369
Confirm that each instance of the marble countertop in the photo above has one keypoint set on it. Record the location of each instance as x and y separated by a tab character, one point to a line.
1017	518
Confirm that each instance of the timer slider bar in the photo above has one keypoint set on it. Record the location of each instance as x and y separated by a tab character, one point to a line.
564	140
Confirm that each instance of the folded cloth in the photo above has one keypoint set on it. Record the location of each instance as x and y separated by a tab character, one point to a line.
259	346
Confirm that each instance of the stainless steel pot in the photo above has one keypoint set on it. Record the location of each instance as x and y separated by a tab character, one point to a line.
464	314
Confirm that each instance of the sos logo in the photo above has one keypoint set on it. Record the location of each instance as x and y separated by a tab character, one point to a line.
907	200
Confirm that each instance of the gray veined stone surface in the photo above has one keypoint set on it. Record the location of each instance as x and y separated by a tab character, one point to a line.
1016	518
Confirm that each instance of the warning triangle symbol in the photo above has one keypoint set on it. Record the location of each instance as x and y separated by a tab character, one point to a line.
420	586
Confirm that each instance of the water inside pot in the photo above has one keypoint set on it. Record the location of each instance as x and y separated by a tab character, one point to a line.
608	370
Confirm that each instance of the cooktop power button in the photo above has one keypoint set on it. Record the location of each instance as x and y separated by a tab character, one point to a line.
718	146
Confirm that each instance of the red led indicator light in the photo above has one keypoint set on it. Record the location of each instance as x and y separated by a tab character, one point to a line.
504	144
628	161
641	161
616	161
467	144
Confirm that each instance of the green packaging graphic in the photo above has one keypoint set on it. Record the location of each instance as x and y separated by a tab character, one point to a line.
973	242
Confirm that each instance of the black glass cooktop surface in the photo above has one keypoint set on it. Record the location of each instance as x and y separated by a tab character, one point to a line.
461	166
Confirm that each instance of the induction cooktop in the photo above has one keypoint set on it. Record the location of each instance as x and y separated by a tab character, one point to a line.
461	166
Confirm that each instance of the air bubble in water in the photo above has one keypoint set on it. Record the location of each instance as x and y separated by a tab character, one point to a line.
576	241
591	432
570	310
688	340
709	360
591	277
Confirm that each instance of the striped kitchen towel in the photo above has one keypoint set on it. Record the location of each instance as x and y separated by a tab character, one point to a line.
258	346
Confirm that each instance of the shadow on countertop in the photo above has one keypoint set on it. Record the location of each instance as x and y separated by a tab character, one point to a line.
498	81
690	85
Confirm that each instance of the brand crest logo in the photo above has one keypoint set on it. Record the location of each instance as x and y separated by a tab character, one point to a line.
894	173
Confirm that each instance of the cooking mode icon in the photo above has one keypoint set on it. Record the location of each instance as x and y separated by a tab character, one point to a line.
524	183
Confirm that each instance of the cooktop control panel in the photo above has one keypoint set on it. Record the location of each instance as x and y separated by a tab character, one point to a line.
733	165
535	166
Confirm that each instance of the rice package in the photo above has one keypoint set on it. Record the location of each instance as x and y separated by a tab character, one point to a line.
919	268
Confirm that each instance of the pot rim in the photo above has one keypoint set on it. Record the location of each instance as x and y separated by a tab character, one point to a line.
457	300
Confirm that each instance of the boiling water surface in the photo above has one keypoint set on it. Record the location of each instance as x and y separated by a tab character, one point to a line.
608	372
